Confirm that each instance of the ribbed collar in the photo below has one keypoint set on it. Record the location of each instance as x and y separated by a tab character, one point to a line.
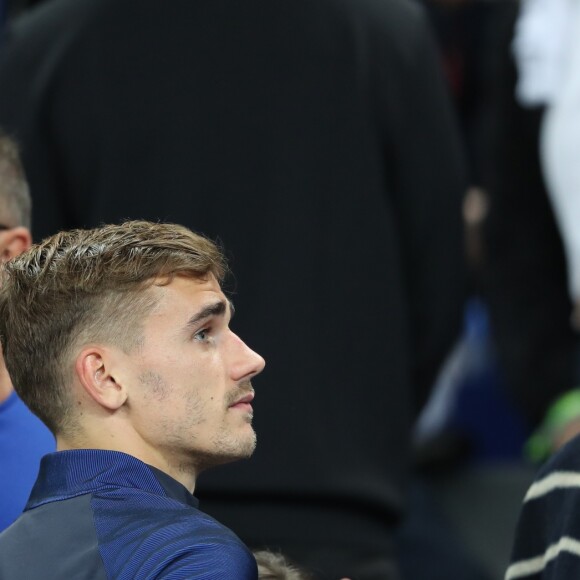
67	474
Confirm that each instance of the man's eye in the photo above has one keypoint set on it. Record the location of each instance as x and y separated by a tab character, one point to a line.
202	334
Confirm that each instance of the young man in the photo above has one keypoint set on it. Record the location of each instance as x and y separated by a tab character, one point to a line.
118	338
23	437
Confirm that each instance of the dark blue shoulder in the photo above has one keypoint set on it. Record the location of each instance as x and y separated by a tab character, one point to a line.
147	536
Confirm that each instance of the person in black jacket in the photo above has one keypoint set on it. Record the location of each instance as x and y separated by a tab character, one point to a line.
316	140
10	9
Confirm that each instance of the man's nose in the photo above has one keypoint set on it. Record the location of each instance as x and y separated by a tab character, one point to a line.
247	363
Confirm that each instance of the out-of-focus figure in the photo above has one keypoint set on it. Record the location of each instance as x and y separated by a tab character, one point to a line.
23	437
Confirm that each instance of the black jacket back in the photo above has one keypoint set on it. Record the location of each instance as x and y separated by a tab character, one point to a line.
313	138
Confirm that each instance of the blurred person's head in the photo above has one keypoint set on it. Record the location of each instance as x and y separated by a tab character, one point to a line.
118	338
14	202
15	234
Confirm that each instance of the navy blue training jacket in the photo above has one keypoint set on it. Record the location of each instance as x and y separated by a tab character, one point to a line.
104	514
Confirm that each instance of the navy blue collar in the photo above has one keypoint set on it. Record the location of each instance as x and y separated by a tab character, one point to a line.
67	474
173	488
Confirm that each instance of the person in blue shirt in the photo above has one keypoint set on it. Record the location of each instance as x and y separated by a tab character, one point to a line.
118	338
24	439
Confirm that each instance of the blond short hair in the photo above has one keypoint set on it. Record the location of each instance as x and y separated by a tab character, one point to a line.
82	286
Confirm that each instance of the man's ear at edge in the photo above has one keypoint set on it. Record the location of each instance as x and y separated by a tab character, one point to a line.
93	369
13	242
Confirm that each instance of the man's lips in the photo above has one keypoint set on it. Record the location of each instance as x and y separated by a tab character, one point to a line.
244	402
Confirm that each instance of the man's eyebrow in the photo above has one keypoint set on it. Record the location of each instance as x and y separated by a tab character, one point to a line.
216	309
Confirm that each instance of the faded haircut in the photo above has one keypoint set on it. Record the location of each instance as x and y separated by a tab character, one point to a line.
15	206
86	286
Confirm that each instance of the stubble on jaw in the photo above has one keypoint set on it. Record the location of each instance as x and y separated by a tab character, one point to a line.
227	445
224	451
155	384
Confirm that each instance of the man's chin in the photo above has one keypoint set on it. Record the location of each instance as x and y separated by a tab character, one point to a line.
247	448
242	448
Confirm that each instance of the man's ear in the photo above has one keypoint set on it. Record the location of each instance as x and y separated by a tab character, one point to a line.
94	370
13	242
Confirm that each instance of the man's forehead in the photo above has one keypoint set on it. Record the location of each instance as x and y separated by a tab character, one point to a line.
189	292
